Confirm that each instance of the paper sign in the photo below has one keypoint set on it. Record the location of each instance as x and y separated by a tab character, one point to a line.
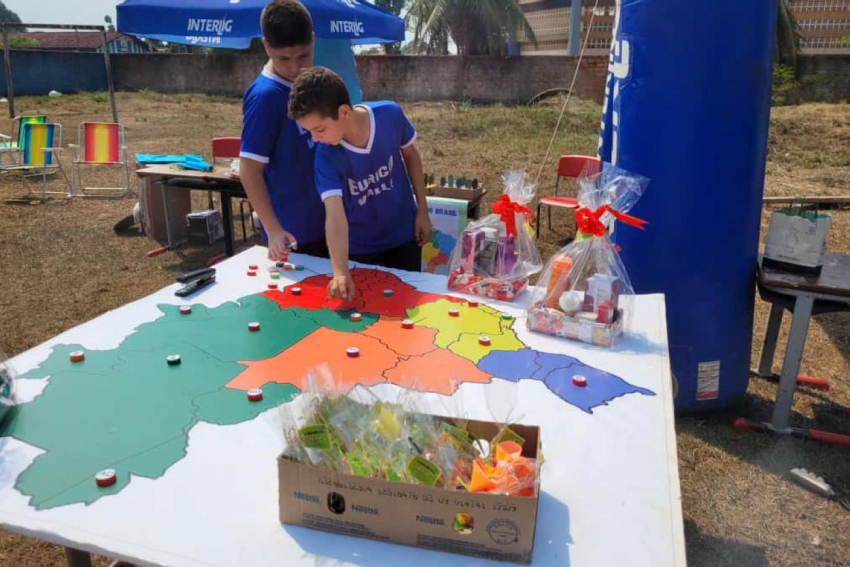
448	217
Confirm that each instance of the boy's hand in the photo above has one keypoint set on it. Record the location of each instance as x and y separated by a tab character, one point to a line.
341	287
422	227
280	244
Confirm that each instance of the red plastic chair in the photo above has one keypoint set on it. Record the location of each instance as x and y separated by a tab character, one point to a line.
228	148
569	167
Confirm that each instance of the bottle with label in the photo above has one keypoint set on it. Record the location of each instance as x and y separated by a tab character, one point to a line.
559	280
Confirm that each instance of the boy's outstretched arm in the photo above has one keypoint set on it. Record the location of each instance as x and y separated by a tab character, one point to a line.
336	230
413	164
251	174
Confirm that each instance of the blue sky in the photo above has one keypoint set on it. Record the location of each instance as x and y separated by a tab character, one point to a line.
85	12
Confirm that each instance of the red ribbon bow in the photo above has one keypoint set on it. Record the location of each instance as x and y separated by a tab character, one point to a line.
507	210
588	221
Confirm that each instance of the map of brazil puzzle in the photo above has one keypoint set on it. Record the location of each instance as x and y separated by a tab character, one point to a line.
125	407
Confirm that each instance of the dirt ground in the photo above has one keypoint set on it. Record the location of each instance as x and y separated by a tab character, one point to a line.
739	507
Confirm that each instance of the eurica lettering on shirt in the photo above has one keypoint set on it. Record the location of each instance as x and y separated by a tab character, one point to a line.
374	184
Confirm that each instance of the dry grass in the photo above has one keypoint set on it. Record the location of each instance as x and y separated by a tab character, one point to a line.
739	510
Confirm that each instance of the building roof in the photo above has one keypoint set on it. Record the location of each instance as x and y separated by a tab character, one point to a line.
72	39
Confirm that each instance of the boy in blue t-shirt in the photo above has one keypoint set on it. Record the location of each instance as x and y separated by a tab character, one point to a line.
365	163
277	156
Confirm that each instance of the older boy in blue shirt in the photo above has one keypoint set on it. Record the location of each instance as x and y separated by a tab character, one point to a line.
365	163
277	156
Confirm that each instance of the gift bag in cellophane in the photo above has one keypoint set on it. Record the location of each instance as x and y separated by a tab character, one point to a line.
496	255
584	293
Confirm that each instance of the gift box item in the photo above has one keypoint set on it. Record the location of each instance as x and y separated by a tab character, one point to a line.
570	302
578	296
559	282
580	328
605	313
601	288
506	256
487	255
496	255
487	287
471	240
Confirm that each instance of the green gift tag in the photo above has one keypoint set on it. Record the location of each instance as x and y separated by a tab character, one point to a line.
507	434
423	471
386	422
460	438
315	437
358	466
393	474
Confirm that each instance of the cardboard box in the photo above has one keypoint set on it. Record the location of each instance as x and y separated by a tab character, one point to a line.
155	223
467	194
554	322
411	514
502	289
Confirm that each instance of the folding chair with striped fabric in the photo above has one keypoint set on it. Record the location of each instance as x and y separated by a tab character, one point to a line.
100	143
9	144
39	153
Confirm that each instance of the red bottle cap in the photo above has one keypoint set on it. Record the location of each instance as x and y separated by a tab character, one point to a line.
106	478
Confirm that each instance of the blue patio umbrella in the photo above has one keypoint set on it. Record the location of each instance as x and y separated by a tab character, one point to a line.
233	23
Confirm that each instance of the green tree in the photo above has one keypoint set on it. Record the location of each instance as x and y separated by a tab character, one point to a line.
787	36
477	27
21	42
788	41
108	19
395	7
8	16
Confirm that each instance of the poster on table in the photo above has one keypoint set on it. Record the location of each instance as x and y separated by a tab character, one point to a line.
449	218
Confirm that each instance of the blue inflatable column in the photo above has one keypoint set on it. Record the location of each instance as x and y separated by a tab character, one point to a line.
688	105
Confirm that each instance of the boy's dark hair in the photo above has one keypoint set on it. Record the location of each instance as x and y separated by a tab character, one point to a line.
286	23
317	89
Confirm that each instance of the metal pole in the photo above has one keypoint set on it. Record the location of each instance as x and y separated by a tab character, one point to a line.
768	349
791	366
574	45
7	59
109	75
